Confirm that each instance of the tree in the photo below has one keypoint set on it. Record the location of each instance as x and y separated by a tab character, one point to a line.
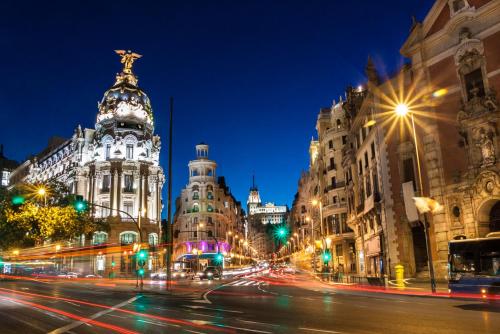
34	222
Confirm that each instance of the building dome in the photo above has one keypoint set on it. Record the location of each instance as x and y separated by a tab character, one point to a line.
125	101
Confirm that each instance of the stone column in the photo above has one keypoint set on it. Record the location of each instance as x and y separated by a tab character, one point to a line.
112	190
119	188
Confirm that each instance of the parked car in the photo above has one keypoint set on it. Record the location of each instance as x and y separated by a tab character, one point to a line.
210	273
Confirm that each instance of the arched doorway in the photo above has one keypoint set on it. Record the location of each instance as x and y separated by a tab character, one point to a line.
419	249
495	218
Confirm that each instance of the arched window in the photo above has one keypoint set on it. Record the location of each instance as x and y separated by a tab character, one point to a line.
210	188
195	188
195	172
210	195
196	195
196	207
128	237
339	124
210	208
210	234
153	239
99	238
210	172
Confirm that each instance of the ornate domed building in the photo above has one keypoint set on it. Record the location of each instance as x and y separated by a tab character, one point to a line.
115	167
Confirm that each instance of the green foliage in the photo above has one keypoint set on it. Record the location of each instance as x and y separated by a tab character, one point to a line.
31	222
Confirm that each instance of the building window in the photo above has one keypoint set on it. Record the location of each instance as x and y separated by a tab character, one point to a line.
368	186
344	140
105	209
153	239
360	165
372	146
474	84
330	144
334	182
130	151
366	159
99	238
339	124
196	207
107	153
196	195
210	208
129	183
106	182
210	195
128	207
127	238
334	199
409	172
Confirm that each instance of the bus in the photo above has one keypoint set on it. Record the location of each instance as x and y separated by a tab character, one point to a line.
474	266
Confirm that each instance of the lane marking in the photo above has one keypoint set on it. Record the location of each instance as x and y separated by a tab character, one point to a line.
211	308
94	316
317	330
190	331
246	329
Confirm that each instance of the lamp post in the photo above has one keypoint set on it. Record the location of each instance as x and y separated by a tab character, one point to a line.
403	110
313	242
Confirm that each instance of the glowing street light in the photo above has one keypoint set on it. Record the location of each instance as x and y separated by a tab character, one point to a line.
402	109
41	191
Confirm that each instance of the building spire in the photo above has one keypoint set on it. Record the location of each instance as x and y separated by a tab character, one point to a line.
127	59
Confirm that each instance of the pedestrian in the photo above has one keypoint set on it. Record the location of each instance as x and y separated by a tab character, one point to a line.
341	272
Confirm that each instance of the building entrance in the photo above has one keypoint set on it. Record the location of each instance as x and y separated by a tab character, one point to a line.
419	248
495	218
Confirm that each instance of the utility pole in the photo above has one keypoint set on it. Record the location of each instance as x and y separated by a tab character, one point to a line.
170	226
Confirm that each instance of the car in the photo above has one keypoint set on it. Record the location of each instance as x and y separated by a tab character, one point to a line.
210	273
93	276
289	270
159	275
182	273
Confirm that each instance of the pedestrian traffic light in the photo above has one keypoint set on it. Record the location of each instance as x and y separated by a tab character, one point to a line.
141	272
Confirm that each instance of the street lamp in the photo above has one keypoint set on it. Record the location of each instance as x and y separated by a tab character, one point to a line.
402	110
42	192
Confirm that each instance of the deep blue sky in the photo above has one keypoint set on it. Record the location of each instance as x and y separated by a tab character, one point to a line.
248	77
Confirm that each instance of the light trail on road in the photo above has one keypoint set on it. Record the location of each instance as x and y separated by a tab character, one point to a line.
146	315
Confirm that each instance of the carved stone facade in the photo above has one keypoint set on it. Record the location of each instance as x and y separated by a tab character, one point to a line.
114	166
457	49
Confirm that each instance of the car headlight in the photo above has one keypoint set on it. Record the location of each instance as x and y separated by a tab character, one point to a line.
183	275
210	274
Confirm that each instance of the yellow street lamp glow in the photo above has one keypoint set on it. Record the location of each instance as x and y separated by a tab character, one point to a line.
58	248
229	232
440	92
15	252
201	225
41	191
314	202
195	251
401	109
245	243
295	234
236	237
308	219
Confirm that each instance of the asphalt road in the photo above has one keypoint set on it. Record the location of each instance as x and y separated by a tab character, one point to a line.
265	303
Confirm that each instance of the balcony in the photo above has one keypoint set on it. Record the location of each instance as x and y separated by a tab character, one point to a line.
128	190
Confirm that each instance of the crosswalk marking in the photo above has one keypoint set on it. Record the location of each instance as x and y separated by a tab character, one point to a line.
244	282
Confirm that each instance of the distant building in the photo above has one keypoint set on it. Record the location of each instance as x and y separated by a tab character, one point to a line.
208	218
6	168
260	221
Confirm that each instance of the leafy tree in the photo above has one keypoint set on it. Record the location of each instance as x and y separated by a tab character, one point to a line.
38	219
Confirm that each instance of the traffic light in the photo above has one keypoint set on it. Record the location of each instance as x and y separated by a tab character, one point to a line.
79	204
219	258
326	257
141	272
143	254
18	200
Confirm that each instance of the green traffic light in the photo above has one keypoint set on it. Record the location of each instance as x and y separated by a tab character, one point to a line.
141	272
18	200
143	254
326	257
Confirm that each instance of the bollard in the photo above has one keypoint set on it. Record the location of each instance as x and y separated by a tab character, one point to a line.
400	275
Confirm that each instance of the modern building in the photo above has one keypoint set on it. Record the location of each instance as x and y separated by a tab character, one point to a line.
115	167
6	168
208	219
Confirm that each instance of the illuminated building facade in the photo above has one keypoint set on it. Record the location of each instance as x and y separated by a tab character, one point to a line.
208	217
6	168
455	50
114	166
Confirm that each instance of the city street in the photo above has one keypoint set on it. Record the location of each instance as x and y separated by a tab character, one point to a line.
270	302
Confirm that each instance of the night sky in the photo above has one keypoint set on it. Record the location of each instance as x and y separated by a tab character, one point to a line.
248	77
